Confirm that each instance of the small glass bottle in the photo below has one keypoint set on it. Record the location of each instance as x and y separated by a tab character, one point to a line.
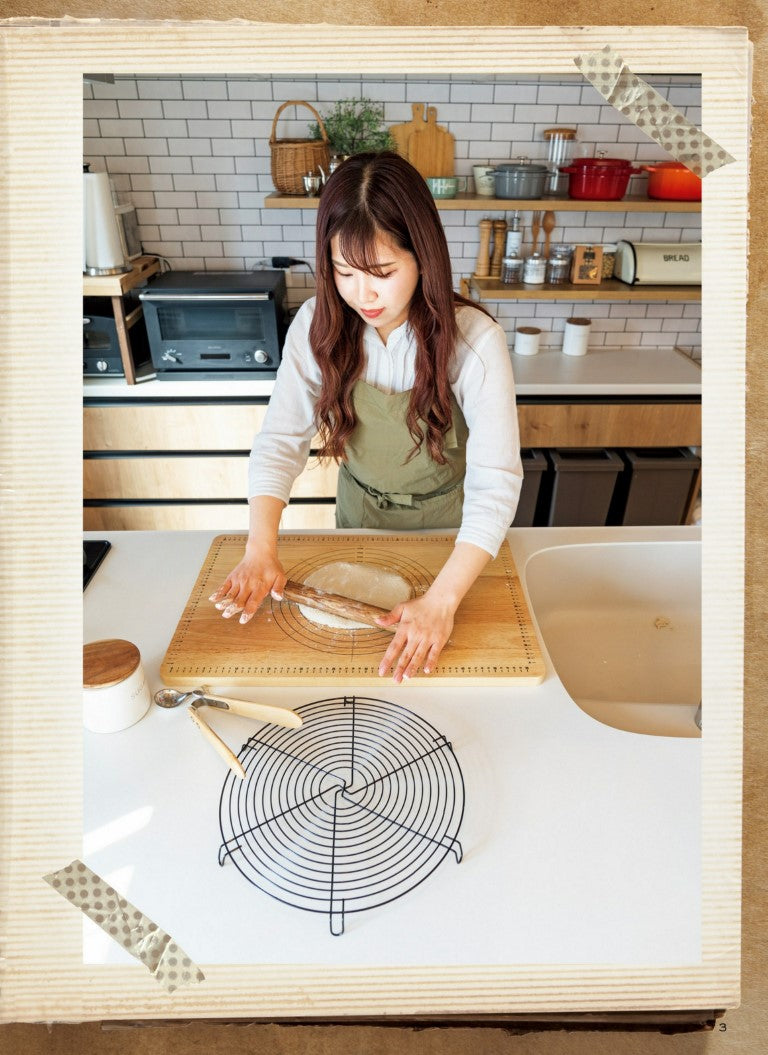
514	242
511	269
535	270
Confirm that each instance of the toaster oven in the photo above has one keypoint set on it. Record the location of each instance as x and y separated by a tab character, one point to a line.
215	325
101	347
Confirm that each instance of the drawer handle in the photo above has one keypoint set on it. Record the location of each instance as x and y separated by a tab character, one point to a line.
203	296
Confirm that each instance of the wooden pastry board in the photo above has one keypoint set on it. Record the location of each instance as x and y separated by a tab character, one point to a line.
493	640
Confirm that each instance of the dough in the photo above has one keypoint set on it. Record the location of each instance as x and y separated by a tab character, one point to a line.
361	582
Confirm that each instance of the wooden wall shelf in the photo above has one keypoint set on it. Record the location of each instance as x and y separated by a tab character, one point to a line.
609	289
476	202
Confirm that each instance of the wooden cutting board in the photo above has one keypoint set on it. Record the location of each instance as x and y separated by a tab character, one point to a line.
402	133
493	641
428	146
431	147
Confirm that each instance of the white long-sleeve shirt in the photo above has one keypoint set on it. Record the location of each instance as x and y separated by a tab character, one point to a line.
481	380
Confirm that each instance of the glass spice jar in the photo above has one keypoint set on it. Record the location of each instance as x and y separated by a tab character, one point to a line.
558	267
609	259
534	270
511	269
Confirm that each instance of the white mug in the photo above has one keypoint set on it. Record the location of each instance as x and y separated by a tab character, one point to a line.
485	180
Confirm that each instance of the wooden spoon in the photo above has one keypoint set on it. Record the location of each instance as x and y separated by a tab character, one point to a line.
535	228
548	225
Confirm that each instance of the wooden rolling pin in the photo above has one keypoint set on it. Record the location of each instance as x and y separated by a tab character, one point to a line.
345	607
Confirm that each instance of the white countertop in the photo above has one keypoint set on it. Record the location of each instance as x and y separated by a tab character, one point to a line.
608	372
581	842
601	372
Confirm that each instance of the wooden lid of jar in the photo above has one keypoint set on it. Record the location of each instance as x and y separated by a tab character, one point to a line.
566	133
108	662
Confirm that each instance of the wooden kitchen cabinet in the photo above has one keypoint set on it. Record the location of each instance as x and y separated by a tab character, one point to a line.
157	465
183	464
628	423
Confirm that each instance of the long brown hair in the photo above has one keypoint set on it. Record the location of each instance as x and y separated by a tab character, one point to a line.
367	197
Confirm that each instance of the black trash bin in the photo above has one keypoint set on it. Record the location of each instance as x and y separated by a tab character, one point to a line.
655	486
583	486
534	466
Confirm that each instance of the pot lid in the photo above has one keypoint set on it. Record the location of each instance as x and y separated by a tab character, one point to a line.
669	166
521	165
608	163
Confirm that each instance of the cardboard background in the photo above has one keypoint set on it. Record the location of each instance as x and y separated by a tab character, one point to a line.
747	1027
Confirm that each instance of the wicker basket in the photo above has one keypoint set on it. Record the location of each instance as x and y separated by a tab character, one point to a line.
293	158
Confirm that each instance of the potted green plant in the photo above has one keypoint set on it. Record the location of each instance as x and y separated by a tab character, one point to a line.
354	126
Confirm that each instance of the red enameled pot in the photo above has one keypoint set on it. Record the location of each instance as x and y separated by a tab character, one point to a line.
672	181
599	179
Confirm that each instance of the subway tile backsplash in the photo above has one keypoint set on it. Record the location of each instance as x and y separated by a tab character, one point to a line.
192	154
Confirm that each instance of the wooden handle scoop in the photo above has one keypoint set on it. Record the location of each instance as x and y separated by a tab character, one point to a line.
335	604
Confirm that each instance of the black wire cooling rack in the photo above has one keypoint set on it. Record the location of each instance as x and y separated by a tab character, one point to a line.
349	812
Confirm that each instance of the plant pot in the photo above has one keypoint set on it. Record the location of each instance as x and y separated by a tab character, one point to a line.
599	179
521	180
672	181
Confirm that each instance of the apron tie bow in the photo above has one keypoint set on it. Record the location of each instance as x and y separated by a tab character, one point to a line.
385	500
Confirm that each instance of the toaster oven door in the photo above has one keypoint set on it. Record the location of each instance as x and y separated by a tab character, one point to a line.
231	334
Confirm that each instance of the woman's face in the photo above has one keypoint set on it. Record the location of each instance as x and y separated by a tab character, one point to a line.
382	300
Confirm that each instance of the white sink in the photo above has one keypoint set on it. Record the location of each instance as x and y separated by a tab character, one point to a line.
622	624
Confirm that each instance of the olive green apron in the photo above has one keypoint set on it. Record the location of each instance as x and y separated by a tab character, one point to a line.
378	488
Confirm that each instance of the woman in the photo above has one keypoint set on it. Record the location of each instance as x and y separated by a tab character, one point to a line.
410	387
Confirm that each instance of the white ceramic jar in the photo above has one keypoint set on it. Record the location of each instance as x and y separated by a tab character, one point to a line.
576	336
527	340
115	691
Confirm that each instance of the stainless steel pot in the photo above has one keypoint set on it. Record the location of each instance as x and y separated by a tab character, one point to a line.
520	179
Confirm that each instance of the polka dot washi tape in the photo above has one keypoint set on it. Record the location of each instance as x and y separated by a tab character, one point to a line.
637	100
127	925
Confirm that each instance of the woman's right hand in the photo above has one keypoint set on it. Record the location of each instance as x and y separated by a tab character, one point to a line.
247	585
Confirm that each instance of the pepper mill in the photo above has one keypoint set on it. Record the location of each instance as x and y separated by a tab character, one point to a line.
499	238
483	265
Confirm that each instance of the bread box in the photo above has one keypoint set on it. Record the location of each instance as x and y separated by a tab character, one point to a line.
658	263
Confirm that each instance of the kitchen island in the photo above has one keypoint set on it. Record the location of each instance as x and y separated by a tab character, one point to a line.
581	843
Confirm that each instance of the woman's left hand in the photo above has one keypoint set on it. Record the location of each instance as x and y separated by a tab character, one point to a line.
424	626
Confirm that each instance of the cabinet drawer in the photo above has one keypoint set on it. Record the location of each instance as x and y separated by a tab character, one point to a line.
191	477
208	517
172	428
610	424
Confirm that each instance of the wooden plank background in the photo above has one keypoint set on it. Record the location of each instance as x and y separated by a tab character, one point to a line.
41	416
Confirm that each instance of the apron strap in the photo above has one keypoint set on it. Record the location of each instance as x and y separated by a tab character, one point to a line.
385	499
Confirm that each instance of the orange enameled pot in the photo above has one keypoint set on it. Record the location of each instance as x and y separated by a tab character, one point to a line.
672	181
